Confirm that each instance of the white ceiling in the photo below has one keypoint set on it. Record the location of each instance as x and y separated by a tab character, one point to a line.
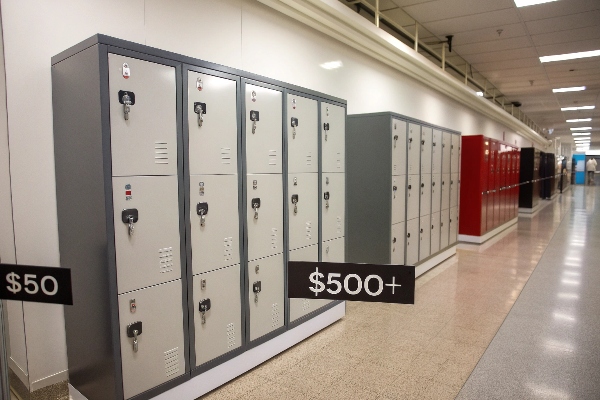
510	59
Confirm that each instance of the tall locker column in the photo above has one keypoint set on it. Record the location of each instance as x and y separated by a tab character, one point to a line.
333	182
436	189
413	183
425	194
264	207
454	190
398	141
445	202
212	130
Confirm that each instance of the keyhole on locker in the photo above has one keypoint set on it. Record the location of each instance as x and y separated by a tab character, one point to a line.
200	109
295	203
326	198
256	206
130	217
395	188
256	288
202	211
326	129
254	117
133	331
204	306
294	125
127	99
395	140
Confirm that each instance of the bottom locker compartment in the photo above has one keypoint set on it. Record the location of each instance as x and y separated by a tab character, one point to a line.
265	295
412	241
435	232
425	237
301	307
444	228
333	250
453	236
397	253
152	344
217	313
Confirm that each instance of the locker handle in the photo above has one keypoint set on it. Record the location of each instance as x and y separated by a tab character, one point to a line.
409	186
408	234
394	240
133	331
422	185
431	226
421	230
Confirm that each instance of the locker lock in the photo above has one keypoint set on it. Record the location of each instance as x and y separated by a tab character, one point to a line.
326	198
133	331
409	187
130	216
132	306
421	230
394	188
200	109
202	210
203	307
394	240
256	288
395	138
408	235
326	129
422	142
256	206
127	99
254	117
422	185
294	125
295	203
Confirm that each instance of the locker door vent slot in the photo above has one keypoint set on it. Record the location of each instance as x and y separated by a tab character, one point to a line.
230	335
225	155
272	157
305	304
308	230
339	160
309	158
161	153
274	238
339	225
228	248
275	317
172	361
165	257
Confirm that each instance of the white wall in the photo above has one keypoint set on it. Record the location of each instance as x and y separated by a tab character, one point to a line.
238	33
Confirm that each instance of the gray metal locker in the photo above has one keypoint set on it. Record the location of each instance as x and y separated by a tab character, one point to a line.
444	228
303	134
143	117
333	138
147	240
454	154
264	211
436	152
412	241
398	147
426	149
398	198
214	222
218	330
212	124
435	232
425	195
445	191
413	191
301	307
265	295
424	237
453	235
333	203
436	192
398	235
303	209
454	190
446	151
414	149
333	250
151	336
263	109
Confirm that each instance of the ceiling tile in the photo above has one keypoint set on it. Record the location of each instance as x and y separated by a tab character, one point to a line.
571	47
489	33
517	63
563	23
440	10
493	45
384	4
508	72
572	35
493	19
557	9
492	56
400	17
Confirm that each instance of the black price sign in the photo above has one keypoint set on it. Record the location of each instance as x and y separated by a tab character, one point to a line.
353	282
37	284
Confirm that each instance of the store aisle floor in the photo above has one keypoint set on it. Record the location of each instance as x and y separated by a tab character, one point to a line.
428	350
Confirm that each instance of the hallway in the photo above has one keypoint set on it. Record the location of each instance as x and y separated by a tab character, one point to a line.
463	327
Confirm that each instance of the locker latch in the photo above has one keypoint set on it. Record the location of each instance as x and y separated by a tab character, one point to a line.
203	307
394	240
254	117
130	216
256	206
326	129
202	210
395	140
294	125
326	198
133	331
132	306
200	109
127	99
256	288
394	188
295	203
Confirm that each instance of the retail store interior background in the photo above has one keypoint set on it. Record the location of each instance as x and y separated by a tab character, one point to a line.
176	154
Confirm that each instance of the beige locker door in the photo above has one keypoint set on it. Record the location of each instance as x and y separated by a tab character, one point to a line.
333	203
444	228
446	151
303	209
302	139
436	192
426	149
398	147
333	138
412	196
454	154
265	224
435	232
414	149
436	152
425	237
453	235
301	307
412	241
445	191
398	198
266	306
454	190
425	195
333	250
397	246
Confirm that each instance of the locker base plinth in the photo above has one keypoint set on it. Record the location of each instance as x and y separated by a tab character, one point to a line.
435	260
538	206
489	235
532	212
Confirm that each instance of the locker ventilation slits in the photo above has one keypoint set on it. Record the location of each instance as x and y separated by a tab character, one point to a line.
274	238
275	317
272	157
305	304
161	153
309	159
165	257
225	155
339	160
339	225
230	335
308	230
172	361
228	250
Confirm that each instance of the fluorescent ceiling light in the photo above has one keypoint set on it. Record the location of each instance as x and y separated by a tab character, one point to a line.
580	134
579	120
480	94
592	153
331	65
577	108
525	3
570	56
583	128
569	89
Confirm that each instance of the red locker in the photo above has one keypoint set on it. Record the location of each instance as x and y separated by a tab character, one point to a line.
496	188
473	206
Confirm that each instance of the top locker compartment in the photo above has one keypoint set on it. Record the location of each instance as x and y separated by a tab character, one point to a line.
302	134
414	149
398	147
333	138
143	117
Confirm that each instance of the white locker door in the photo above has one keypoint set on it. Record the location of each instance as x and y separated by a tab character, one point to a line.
221	330
436	152
446	147
414	149
453	190
398	235
302	134
425	194
212	124
333	138
436	192
444	228
412	196
156	312
148	253
265	222
453	236
303	209
263	109
454	154
333	250
398	198
216	237
265	295
425	237
412	241
426	151
333	200
301	307
144	139
445	191
435	232
398	147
